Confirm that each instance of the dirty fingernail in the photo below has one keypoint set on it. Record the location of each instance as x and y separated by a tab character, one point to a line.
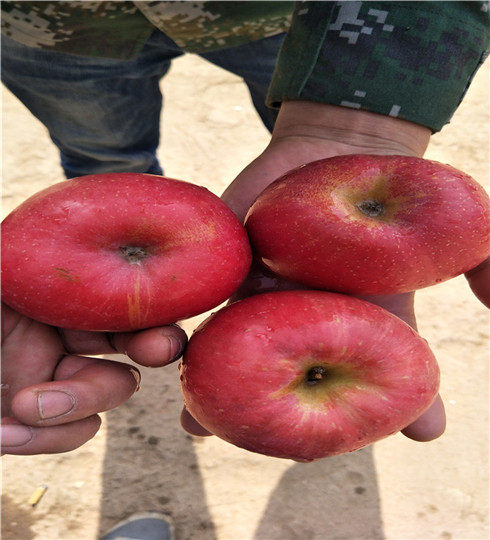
137	376
16	435
54	403
174	346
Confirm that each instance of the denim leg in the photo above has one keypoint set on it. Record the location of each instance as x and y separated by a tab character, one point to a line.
103	114
254	62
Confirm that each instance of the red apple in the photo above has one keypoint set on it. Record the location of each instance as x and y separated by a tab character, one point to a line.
120	252
366	224
306	374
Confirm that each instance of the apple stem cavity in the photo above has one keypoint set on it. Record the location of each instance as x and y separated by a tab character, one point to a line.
371	208
133	254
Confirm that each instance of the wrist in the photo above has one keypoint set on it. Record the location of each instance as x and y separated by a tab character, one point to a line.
347	131
306	131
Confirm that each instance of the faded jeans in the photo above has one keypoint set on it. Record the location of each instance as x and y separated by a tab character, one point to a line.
104	114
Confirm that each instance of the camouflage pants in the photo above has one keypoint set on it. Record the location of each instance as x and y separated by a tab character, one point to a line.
104	114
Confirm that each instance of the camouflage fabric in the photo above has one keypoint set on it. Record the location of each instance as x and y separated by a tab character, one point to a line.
85	28
204	26
411	60
89	28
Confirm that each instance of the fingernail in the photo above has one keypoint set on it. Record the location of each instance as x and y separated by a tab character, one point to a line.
54	403
137	375
174	346
16	435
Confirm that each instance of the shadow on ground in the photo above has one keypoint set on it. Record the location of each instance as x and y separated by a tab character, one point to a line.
335	498
150	464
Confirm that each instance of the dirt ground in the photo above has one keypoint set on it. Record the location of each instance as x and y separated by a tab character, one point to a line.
141	460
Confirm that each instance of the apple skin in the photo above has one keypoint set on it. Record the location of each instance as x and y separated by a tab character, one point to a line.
244	372
318	225
121	252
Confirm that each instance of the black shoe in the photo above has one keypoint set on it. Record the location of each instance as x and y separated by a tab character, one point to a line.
146	526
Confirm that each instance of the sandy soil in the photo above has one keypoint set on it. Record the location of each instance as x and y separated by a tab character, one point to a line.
141	460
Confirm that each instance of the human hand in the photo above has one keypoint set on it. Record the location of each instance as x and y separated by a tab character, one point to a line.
306	132
40	360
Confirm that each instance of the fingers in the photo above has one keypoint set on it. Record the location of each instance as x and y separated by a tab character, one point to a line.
191	425
86	343
430	425
22	440
479	281
261	280
153	347
30	353
82	388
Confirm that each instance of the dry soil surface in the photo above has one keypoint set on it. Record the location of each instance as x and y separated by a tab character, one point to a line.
141	460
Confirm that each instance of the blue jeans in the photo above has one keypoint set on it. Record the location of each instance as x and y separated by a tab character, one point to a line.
104	114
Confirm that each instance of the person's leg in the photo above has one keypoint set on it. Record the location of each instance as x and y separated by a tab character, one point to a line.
254	62
103	114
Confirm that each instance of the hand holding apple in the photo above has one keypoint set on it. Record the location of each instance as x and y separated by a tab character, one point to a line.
305	132
43	371
121	252
118	252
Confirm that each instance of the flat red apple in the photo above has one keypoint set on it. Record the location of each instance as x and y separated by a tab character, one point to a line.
306	374
366	224
120	252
